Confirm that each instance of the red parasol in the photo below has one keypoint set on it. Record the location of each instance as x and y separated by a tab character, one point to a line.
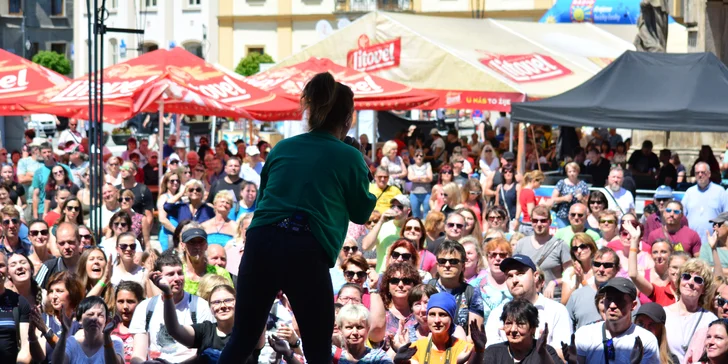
370	92
22	80
184	82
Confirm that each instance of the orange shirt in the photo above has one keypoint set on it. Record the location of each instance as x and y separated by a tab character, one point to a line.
437	356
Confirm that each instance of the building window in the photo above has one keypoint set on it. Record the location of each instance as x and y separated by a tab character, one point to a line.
113	4
15	7
149	47
113	51
150	3
59	48
193	2
258	50
57	7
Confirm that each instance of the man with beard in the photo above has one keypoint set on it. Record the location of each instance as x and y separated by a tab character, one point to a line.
231	182
523	281
624	198
151	339
195	265
615	339
704	201
681	237
605	266
69	244
663	196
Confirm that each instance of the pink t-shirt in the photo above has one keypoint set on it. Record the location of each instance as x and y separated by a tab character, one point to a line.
687	237
427	260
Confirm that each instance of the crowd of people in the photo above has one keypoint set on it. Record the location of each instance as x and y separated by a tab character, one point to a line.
461	260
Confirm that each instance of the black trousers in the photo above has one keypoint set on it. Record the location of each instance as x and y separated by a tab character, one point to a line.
276	259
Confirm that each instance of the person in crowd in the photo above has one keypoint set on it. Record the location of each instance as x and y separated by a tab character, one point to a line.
113	171
10	242
609	228
111	205
60	178
663	196
568	192
624	198
381	189
716	350
716	251
151	335
454	230
150	170
418	298
474	259
604	267
498	220
128	296
492	285
97	344
169	187
194	257
231	182
451	260
255	160
394	164
126	269
52	217
20	272
94	272
460	177
598	168
420	174
704	201
707	156
139	177
248	195
143	203
631	230
387	230
451	193
196	209
488	162
390	306
644	164
348	249
688	315
667	175
577	224
403	250
472	198
414	231
527	200
551	254
356	270
506	195
13	331
69	245
84	193
208	283
71	211
434	227
472	223
220	228
651	317
524	282
235	248
25	173
16	191
38	234
120	223
583	250
596	204
85	236
445	175
216	256
520	322
681	237
617	337
6	201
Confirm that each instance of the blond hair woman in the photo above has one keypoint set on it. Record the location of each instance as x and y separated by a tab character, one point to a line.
395	165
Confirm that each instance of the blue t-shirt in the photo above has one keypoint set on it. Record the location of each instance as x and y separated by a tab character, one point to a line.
703	205
371	356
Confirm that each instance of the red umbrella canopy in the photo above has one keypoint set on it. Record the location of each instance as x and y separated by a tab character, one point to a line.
370	92
186	83
22	80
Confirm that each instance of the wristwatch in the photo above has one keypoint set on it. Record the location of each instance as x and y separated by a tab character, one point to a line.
297	344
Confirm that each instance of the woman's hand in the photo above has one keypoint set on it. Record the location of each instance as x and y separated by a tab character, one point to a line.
402	337
372	278
567	198
111	325
634	232
712	239
548	292
156	278
288	334
108	271
37	320
578	273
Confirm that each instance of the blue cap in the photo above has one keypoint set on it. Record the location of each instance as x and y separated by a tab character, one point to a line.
518	260
663	192
445	302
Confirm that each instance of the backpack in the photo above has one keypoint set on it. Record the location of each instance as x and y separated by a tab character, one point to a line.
462	300
153	303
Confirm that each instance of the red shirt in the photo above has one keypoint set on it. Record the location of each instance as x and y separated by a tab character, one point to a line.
51	217
687	237
527	195
661	296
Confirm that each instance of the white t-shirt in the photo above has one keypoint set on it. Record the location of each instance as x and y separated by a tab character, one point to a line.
624	199
680	328
549	311
136	276
590	345
75	353
249	174
161	344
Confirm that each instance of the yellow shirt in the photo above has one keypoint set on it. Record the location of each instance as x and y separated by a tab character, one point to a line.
437	356
383	199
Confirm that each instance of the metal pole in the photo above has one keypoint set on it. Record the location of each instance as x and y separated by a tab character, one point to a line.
375	120
25	38
213	120
161	136
510	139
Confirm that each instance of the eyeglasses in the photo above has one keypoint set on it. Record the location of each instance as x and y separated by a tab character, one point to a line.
673	211
86	236
405	256
475	193
173	181
452	261
697	279
58	173
445	172
195	190
595	202
405	281
120	224
721	301
73	208
573	214
43	232
127	246
125	199
576	248
540	221
698	173
489	151
7	222
352	249
352	300
359	275
416	229
372	222
495	217
606	265
454	225
382	177
494	255
608	222
227	302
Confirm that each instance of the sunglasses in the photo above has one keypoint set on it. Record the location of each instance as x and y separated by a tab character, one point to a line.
673	211
58	173
717	225
606	265
494	218
697	279
418	155
405	256
540	221
359	275
195	190
489	151
8	221
382	177
445	172
174	161
173	181
73	208
397	206
507	171
595	202
416	229
120	224
662	200
86	237
43	232
352	249
608	222
576	215
452	261
497	255
405	281
125	199
127	246
721	301
454	225
579	247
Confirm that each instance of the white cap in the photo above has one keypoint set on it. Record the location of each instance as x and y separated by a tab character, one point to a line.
252	150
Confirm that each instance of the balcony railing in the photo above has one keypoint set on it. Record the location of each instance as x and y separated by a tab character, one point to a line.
364	6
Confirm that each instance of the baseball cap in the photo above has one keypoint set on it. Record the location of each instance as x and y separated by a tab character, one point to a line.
173	157
193	233
623	285
663	192
721	218
654	311
434	131
252	150
516	261
180	145
402	199
509	156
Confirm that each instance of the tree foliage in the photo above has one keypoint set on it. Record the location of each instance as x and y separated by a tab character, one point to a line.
250	65
54	61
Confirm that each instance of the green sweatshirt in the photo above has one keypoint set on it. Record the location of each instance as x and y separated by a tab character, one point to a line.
320	176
